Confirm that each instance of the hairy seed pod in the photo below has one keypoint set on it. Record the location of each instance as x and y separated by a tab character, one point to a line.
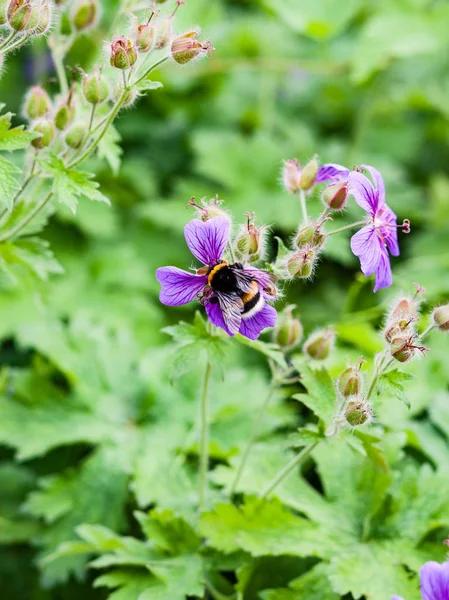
47	130
75	136
95	88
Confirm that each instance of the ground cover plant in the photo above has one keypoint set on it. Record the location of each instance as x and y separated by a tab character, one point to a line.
224	297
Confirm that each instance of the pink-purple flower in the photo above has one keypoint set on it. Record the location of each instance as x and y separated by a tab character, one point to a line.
379	238
235	296
434	581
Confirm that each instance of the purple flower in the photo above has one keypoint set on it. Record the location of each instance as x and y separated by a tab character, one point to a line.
434	581
373	243
236	299
332	173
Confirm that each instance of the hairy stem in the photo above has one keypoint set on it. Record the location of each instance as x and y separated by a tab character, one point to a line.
204	437
254	433
295	461
58	61
22	40
153	66
8	39
302	200
29	217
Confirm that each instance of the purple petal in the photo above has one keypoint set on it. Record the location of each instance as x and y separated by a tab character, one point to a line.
263	278
397	598
252	327
368	248
331	171
364	192
435	581
178	286
207	240
378	182
216	317
384	277
390	232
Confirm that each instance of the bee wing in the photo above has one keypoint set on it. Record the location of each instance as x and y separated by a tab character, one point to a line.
244	280
231	306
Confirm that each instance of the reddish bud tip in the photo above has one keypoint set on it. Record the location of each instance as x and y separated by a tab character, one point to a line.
349	382
291	175
335	196
123	53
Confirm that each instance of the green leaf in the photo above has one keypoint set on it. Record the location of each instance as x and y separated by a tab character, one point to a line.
168	533
271	351
109	149
304	437
393	383
146	85
321	396
313	585
15	138
28	257
69	184
9	186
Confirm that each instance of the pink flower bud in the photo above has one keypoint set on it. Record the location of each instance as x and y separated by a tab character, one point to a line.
186	47
350	381
123	53
291	175
440	317
164	32
358	412
320	344
85	14
288	331
37	103
24	15
145	37
335	196
95	88
47	130
403	348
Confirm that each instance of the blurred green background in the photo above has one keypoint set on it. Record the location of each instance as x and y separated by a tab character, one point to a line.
354	82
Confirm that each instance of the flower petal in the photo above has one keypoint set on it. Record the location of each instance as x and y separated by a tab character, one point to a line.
435	581
397	598
263	278
252	327
363	191
178	286
378	182
216	316
331	171
368	248
390	232
207	240
384	277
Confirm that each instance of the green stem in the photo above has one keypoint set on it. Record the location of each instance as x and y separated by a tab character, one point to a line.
252	439
351	226
20	42
302	200
95	143
153	66
377	374
427	331
295	461
9	38
204	437
58	61
29	217
92	116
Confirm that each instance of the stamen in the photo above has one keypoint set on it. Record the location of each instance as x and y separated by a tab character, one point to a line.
192	202
405	226
419	290
251	217
178	4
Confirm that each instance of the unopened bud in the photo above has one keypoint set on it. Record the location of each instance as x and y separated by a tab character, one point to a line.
309	235
320	344
45	15
250	242
308	175
209	208
403	348
47	130
145	37
335	196
75	136
350	381
163	33
291	175
123	53
85	14
37	103
23	15
186	47
288	331
3	7
95	88
358	412
64	116
440	317
301	263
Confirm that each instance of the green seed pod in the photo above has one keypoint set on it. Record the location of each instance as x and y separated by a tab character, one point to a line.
288	331
309	235
308	175
358	412
335	196
145	37
47	130
301	263
84	14
123	53
75	136
320	344
349	382
95	88
23	16
3	7
37	103
186	47
64	116
440	317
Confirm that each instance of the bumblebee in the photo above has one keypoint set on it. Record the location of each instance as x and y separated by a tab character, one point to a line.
236	290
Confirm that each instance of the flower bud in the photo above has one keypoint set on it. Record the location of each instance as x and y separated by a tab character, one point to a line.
403	349
320	344
209	208
145	37
64	116
308	175
85	14
186	47
288	331
95	88
37	103
440	317
250	243
291	175
123	53
358	412
301	263
335	196
309	235
350	381
3	6
164	32
23	15
75	136
47	130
